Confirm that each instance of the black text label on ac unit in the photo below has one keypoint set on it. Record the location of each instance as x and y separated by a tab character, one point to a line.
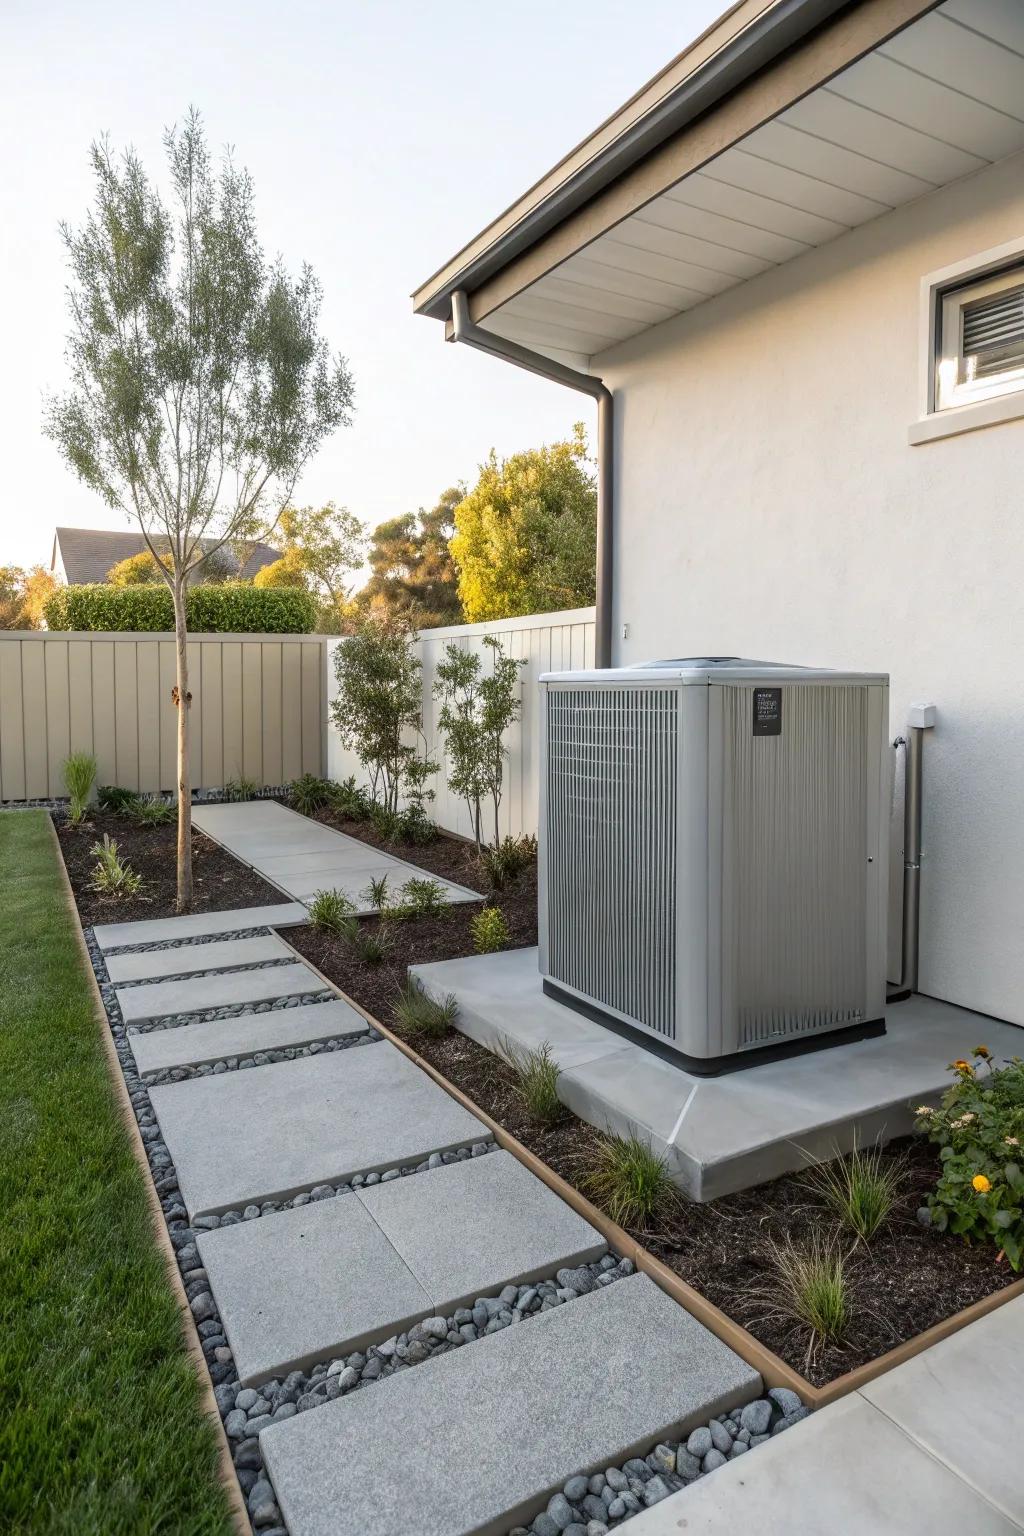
767	711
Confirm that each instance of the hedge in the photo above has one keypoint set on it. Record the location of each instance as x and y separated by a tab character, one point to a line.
209	609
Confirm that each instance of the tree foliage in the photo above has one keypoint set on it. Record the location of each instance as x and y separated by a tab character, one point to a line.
412	573
23	596
238	608
525	536
199	383
149	569
322	546
477	709
378	711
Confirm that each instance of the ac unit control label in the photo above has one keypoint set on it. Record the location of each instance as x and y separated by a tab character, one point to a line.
767	711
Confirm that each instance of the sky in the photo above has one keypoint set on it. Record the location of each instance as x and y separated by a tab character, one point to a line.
381	138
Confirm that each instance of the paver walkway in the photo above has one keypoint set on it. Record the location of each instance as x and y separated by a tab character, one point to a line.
301	856
485	1432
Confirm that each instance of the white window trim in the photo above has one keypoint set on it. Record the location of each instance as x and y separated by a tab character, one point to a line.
1000	403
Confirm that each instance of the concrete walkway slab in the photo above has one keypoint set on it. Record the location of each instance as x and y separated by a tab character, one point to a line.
470	1228
473	1440
270	1132
847	1469
304	1284
196	925
161	999
193	1044
302	856
958	1402
727	1133
154	964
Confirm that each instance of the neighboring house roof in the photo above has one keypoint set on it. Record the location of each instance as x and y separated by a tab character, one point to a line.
87	554
783	127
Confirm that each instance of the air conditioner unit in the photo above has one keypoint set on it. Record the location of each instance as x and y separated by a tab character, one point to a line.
714	854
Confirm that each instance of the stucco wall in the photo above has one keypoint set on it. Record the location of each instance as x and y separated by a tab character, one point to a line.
768	504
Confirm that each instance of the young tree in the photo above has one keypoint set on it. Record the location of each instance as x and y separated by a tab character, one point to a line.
200	385
476	711
379	707
412	573
525	536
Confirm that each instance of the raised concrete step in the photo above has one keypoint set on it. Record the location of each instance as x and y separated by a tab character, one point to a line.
339	1274
156	930
193	1044
154	964
269	1132
472	1442
161	999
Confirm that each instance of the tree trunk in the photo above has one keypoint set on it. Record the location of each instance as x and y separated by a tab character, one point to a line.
184	700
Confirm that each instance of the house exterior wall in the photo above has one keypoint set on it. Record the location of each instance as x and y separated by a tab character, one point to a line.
768	504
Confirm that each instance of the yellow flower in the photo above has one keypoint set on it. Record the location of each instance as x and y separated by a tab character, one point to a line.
981	1184
963	1066
982	1051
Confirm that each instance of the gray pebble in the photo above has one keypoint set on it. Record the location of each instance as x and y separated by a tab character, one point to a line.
713	1460
757	1416
720	1437
575	1489
700	1442
783	1398
687	1465
545	1526
234	1424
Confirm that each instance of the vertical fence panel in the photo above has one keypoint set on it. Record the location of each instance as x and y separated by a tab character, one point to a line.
80	696
12	725
272	745
313	710
33	681
58	715
210	664
291	712
126	713
233	707
252	711
147	678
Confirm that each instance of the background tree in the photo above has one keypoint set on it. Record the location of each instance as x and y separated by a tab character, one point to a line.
200	386
147	569
322	546
23	595
413	575
477	709
525	536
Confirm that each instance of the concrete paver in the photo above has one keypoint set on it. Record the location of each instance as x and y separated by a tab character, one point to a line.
193	1044
154	964
155	930
161	999
269	1132
484	1432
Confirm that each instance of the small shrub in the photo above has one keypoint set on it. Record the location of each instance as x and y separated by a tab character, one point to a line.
385	823
349	801
630	1181
79	770
151	811
861	1189
111	797
979	1130
490	930
504	862
332	911
809	1288
537	1073
309	794
240	789
111	876
422	898
417	1013
415	826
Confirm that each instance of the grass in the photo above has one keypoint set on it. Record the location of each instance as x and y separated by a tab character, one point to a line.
809	1287
537	1073
100	1432
861	1189
630	1181
416	1012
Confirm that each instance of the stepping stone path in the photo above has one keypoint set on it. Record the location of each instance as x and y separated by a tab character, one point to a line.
574	1362
301	856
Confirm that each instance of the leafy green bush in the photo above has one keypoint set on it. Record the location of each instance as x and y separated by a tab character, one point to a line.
111	876
112	797
629	1180
421	898
861	1189
233	608
507	859
79	770
979	1129
416	1012
348	800
490	930
309	794
537	1073
331	910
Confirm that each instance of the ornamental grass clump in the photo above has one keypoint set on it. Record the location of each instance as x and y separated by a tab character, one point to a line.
151	811
240	789
809	1287
537	1073
372	945
490	930
332	911
630	1180
110	875
506	860
79	770
421	898
309	794
979	1130
417	1013
862	1189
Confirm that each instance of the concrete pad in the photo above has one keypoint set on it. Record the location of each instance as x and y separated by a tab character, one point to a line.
469	1228
727	1133
152	964
192	1044
957	1401
473	1440
159	999
198	925
269	1132
846	1469
306	1284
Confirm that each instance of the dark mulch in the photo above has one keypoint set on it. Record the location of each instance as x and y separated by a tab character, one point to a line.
220	881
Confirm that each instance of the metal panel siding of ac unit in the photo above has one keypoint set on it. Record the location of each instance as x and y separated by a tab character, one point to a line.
794	861
610	854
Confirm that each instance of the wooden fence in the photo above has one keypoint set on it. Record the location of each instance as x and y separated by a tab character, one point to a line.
258	709
548	642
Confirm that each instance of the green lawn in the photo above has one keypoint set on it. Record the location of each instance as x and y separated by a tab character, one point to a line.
100	1428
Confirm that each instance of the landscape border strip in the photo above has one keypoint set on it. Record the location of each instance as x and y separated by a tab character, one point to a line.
775	1371
190	1338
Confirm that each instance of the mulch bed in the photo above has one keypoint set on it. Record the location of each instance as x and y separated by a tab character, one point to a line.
221	883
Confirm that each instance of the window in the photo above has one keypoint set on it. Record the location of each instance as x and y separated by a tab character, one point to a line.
980	351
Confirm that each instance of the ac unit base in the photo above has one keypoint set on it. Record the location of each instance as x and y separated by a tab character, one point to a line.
716	1066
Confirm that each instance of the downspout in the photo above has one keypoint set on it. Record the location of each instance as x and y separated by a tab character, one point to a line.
463	329
921	719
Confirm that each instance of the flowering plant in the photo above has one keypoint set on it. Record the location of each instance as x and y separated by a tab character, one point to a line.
979	1128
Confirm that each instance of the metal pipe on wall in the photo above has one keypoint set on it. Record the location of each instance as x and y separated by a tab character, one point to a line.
463	328
922	718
